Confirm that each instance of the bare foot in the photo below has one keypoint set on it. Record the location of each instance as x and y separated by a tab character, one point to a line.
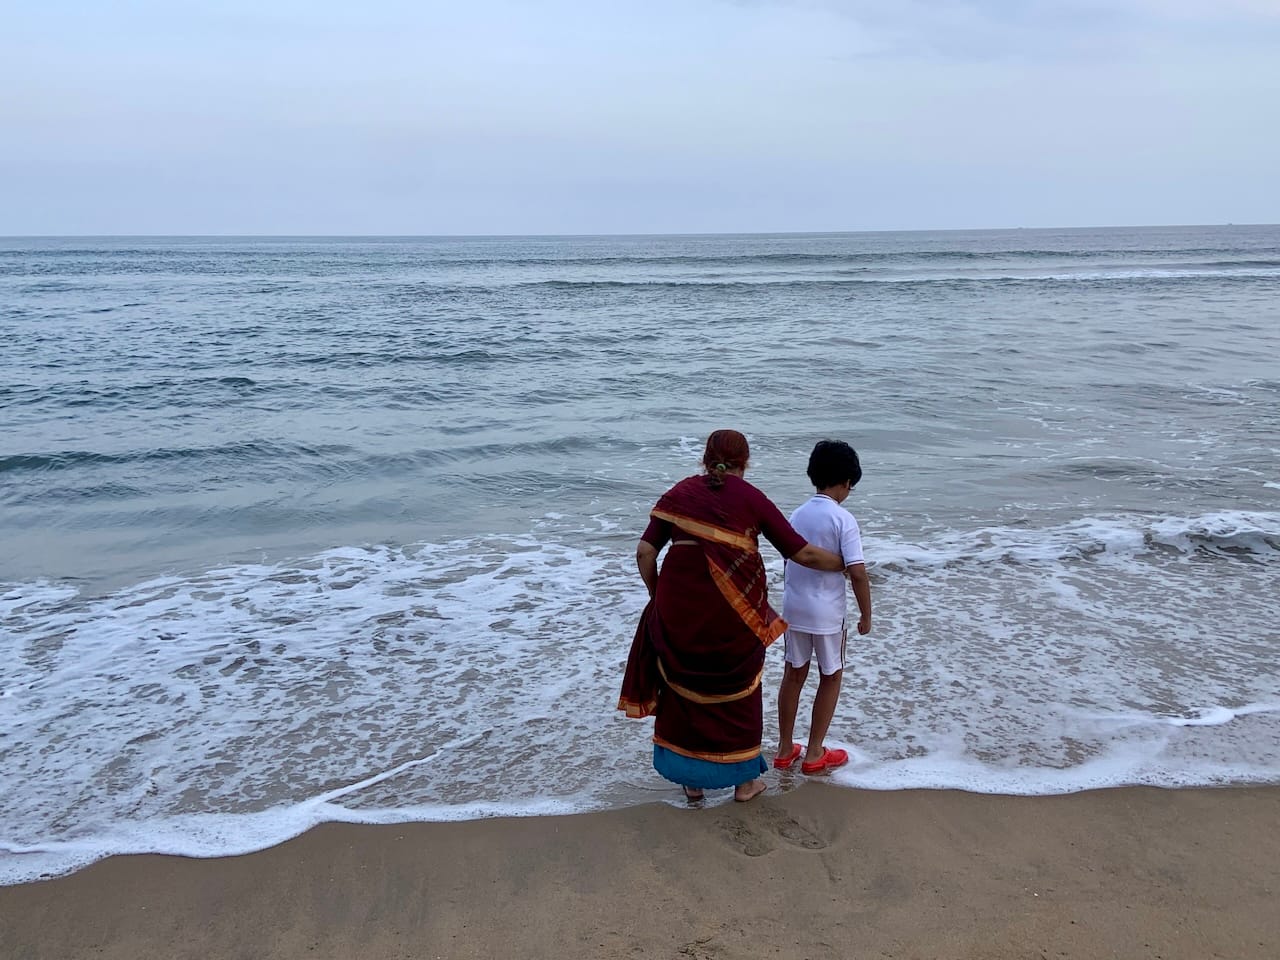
692	794
748	791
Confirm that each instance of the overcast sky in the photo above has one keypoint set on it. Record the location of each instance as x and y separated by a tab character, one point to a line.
634	116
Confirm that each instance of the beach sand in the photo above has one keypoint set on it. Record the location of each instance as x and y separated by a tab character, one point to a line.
818	872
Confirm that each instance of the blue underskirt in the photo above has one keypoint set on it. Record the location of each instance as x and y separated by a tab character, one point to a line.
691	772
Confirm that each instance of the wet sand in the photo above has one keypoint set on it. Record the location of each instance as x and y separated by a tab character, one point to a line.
820	872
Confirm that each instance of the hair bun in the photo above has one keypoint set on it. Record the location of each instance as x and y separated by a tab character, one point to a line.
726	450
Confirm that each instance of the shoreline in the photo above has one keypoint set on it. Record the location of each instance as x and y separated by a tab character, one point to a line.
817	872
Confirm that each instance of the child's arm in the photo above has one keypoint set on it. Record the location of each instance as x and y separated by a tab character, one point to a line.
857	574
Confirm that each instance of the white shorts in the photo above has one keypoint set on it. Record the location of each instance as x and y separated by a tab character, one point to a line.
828	648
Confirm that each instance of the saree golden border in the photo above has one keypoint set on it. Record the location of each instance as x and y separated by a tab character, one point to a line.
737	756
638	710
707	531
767	633
635	709
695	697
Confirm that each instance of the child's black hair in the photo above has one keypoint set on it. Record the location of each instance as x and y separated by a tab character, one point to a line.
833	462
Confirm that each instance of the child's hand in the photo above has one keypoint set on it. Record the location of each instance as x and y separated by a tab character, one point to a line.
864	625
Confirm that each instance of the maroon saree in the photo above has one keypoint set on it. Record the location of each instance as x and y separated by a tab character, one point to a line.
698	655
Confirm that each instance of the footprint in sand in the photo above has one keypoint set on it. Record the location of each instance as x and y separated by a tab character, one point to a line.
756	832
746	837
792	831
699	950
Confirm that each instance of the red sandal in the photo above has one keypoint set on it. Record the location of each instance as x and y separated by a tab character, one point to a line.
829	760
784	763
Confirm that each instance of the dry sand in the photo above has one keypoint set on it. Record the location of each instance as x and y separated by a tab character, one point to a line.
820	872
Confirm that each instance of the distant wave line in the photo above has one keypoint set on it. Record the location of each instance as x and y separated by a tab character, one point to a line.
245	450
838	280
223	262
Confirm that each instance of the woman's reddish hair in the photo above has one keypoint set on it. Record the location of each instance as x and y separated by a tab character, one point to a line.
726	450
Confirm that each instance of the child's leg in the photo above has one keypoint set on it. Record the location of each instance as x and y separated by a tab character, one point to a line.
824	708
799	652
828	650
788	704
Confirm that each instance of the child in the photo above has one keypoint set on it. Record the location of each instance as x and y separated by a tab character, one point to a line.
813	604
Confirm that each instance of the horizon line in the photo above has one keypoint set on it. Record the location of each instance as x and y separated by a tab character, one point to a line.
568	236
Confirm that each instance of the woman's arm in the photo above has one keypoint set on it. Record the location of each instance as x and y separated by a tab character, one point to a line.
647	562
778	531
654	538
818	559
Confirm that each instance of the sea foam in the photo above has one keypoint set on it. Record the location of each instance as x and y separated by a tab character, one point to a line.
227	711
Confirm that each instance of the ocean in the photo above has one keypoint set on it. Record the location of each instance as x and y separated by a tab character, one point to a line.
297	530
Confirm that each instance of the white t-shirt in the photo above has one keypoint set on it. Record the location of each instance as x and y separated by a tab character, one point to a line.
814	600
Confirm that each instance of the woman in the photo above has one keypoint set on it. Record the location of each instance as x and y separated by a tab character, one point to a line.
698	657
